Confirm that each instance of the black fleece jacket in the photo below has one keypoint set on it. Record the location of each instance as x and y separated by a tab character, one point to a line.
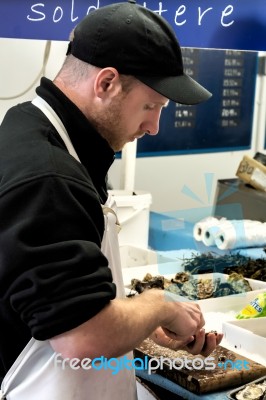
53	275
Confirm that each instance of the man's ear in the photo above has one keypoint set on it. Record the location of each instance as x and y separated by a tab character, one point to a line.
107	83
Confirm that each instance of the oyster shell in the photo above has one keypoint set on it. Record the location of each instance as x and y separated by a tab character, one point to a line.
181	277
199	288
254	391
148	282
239	283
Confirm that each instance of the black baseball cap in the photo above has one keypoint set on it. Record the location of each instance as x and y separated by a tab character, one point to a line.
136	41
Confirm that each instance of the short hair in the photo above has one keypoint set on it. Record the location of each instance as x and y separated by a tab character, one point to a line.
75	70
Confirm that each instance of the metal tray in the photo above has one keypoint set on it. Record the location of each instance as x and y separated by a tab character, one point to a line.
232	394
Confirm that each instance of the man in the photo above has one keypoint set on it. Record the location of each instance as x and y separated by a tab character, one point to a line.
59	278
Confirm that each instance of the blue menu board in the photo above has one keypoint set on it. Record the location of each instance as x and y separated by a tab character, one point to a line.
222	123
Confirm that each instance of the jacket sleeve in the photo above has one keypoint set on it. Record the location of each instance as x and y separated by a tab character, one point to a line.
53	272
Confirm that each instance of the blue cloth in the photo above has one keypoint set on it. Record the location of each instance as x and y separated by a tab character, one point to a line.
179	390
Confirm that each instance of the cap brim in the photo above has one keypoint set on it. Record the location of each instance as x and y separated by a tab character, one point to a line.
181	89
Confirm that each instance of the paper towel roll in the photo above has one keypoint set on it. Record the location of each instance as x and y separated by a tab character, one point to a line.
209	235
201	227
206	229
240	234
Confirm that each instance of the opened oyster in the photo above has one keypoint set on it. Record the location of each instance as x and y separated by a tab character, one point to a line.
254	391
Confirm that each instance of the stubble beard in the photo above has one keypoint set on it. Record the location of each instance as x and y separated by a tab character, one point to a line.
108	125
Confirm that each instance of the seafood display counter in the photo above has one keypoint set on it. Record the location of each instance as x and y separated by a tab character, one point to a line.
220	307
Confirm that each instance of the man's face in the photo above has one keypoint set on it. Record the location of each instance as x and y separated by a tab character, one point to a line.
130	115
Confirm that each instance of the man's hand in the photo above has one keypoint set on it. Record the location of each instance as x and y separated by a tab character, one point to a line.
182	320
201	343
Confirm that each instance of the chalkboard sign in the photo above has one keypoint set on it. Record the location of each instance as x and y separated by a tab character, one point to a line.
222	123
224	24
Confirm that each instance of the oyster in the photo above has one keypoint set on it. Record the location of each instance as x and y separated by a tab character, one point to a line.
189	289
199	288
252	392
224	289
148	282
181	277
173	288
239	283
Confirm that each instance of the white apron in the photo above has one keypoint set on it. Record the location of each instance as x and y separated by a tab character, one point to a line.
35	373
